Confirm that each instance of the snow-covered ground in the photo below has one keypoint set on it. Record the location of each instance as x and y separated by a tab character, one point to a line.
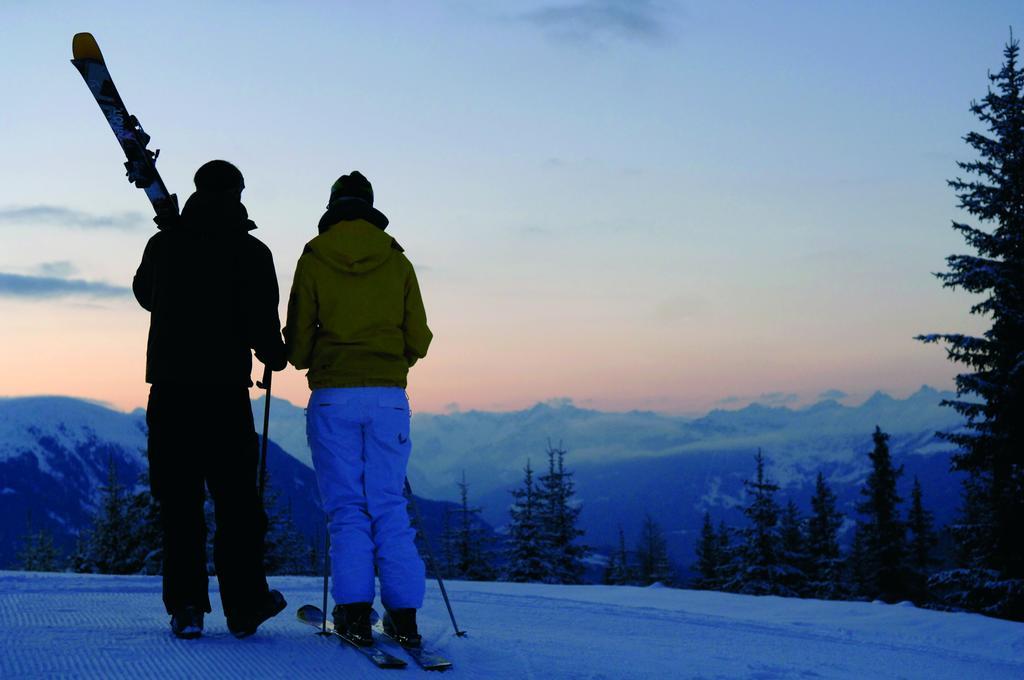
70	625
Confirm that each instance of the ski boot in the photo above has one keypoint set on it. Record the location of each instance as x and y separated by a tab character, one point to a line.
244	626
187	623
353	621
400	624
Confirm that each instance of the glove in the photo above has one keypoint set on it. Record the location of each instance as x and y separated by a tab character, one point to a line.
167	220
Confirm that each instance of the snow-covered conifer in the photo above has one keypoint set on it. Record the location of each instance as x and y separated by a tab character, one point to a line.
109	546
793	556
825	567
527	551
467	541
559	517
881	529
920	522
991	394
709	557
761	571
620	571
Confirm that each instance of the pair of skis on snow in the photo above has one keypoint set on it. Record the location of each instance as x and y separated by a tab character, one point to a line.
141	167
426	658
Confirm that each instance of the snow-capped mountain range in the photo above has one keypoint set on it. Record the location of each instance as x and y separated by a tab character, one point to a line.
54	454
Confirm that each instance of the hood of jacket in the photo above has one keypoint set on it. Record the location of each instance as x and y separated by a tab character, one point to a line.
215	212
353	246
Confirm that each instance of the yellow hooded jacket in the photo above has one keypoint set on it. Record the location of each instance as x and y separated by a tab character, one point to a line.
355	315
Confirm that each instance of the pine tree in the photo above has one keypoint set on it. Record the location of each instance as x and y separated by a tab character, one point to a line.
762	571
467	542
923	539
882	531
652	563
559	517
709	557
526	561
991	395
620	571
110	546
825	568
793	556
38	552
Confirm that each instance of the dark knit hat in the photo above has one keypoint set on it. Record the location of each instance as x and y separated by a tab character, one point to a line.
219	176
353	185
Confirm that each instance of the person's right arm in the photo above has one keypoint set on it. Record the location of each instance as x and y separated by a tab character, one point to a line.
414	326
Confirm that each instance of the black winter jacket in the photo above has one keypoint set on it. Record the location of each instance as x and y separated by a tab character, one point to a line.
212	294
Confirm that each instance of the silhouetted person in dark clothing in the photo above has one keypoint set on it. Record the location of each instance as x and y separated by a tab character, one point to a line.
212	294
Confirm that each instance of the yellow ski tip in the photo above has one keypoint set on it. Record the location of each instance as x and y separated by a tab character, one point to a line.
83	46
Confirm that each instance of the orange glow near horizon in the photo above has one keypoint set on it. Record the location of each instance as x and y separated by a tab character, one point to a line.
106	362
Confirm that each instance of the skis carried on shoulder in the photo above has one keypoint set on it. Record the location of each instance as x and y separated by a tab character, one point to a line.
313	616
425	657
141	164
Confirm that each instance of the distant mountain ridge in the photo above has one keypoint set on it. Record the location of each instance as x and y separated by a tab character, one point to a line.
54	453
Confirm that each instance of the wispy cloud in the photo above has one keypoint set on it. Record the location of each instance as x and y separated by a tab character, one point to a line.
62	216
61	269
49	287
833	394
589	20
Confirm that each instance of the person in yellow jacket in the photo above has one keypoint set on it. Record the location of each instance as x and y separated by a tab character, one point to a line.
356	321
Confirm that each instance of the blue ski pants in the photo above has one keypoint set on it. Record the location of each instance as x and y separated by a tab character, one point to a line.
360	442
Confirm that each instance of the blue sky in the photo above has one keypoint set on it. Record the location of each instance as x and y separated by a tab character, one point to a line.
633	204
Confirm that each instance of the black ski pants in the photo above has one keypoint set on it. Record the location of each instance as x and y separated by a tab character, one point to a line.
203	437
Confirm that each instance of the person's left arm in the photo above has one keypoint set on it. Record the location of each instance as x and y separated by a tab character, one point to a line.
264	323
301	324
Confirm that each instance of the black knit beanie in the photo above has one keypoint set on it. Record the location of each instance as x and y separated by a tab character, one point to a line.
219	176
353	185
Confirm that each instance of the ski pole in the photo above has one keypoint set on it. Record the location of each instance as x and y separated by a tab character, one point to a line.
264	385
430	558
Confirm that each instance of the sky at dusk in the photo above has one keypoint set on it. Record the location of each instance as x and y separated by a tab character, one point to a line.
669	206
